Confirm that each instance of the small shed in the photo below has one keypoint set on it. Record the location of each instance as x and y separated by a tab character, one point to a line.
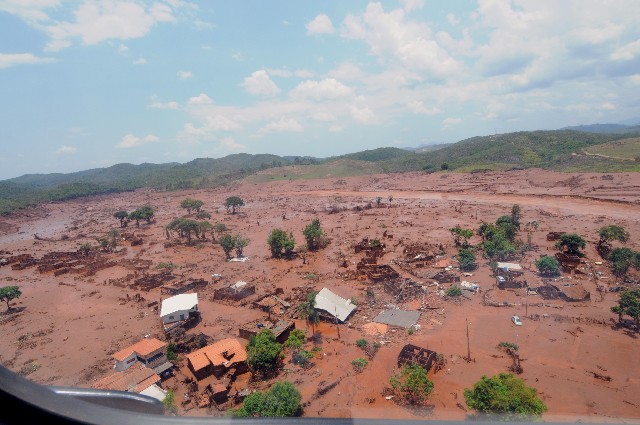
178	308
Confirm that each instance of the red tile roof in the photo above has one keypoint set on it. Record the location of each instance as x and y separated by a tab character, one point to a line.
143	348
135	379
215	354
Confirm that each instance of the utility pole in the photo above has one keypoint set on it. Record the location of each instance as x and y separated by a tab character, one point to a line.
468	346
336	316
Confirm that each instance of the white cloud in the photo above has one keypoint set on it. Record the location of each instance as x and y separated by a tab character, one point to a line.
363	115
12	59
95	22
321	24
391	36
184	75
448	122
131	141
418	107
259	83
228	144
66	149
140	61
410	5
165	105
281	126
329	88
627	52
201	99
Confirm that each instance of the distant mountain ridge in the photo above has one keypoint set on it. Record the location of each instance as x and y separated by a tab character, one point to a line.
556	149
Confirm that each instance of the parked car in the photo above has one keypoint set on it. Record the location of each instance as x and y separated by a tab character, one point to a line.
516	320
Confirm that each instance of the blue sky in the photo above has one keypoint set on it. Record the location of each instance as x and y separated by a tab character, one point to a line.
86	84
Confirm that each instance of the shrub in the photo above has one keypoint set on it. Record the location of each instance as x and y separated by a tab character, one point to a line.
454	291
362	343
282	399
504	394
411	384
263	353
359	364
548	266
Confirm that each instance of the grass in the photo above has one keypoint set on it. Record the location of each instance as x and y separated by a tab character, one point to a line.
628	149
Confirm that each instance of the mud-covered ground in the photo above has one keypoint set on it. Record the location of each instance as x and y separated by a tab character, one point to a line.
64	328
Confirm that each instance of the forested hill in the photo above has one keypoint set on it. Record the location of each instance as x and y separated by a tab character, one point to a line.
559	149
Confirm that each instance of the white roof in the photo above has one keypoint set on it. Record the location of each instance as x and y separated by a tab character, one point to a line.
334	304
511	266
155	392
178	303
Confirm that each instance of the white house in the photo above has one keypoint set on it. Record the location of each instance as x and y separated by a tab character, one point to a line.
178	308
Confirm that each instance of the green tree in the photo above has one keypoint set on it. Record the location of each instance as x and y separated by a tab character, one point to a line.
295	341
504	394
571	243
280	243
234	203
227	242
191	204
516	215
623	258
608	234
263	353
314	235
458	233
282	400
308	311
411	384
467	260
240	243
123	216
548	266
629	305
9	293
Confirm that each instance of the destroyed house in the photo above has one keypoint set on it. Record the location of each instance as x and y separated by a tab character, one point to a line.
412	354
151	352
135	379
332	306
281	329
217	359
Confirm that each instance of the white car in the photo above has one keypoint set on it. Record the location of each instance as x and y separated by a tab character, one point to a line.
516	320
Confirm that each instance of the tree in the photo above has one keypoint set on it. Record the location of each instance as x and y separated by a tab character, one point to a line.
234	203
123	216
458	232
629	305
280	243
191	204
314	235
263	353
504	394
227	242
516	215
282	399
608	234
239	243
411	384
571	243
548	266
467	260
9	293
623	258
308	311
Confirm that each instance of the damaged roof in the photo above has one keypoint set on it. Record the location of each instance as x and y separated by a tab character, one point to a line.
334	304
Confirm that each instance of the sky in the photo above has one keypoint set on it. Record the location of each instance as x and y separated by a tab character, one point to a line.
87	84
